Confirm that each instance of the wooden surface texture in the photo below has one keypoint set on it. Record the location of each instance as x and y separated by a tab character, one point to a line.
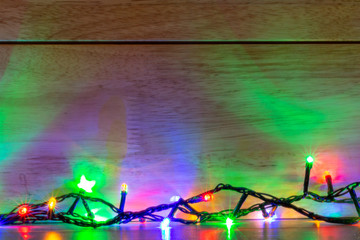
176	119
180	20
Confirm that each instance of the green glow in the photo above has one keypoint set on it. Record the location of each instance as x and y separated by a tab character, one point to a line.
100	219
96	217
27	108
85	184
89	166
309	159
86	234
229	222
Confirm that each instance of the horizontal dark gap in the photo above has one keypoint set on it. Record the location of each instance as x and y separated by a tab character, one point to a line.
139	42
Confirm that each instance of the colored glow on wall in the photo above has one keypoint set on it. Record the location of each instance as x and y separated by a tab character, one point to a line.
279	118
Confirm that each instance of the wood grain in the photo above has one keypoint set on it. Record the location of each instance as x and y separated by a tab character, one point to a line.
185	20
176	119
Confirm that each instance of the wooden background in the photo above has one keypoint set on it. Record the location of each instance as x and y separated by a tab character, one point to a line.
173	119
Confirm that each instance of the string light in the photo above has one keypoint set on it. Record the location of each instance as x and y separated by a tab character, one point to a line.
208	197
309	159
268	201
308	166
23	210
328	180
51	206
52	203
124	190
124	187
85	184
239	204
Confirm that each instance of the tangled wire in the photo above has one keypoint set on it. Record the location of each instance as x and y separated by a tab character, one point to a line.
30	213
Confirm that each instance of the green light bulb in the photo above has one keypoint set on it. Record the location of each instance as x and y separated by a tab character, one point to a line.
229	222
85	184
309	159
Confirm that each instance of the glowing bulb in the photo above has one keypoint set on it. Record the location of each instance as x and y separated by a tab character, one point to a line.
23	210
165	223
208	197
309	159
174	198
85	184
270	219
124	187
97	218
52	203
327	176
229	222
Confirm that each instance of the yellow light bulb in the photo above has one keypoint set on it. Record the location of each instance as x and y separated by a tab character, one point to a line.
124	187
52	203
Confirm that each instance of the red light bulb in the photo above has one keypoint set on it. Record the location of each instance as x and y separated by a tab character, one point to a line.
208	197
328	180
23	211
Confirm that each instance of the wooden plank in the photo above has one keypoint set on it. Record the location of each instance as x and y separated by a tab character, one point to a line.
185	20
176	119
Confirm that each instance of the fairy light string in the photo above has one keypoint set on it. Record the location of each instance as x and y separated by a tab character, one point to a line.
268	204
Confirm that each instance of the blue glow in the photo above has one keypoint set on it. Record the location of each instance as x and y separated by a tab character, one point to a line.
270	219
165	234
165	224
